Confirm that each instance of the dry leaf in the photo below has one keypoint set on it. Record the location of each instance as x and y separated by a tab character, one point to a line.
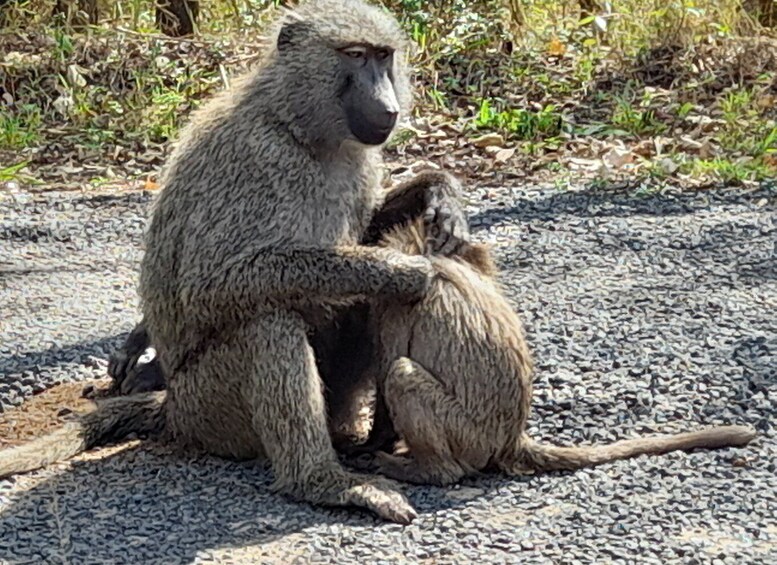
645	148
617	157
63	105
770	160
689	144
707	150
584	164
766	101
74	76
504	155
668	166
436	134
150	185
488	140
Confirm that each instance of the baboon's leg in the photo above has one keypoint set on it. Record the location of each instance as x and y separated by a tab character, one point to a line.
289	415
426	416
432	471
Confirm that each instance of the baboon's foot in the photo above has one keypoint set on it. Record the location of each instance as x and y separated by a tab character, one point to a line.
383	498
408	469
336	488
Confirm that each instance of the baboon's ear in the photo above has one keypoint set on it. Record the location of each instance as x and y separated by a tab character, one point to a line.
291	33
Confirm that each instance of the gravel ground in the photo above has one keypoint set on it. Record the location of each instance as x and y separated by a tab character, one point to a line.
646	312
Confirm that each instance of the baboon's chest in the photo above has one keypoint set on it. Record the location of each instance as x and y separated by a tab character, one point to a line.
344	208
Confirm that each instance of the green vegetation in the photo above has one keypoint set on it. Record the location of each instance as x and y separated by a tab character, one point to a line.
20	129
680	91
519	123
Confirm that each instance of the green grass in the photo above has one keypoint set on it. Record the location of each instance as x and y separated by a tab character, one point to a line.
534	72
634	119
21	129
727	171
519	123
12	172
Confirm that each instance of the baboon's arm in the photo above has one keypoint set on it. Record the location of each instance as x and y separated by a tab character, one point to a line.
342	272
433	195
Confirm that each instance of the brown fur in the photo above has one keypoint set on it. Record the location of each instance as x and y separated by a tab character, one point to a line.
456	377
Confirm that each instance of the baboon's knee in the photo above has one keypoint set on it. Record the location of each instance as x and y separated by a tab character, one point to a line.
418	405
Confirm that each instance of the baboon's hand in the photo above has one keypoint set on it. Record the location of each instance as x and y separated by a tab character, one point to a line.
126	357
445	219
122	361
129	375
412	277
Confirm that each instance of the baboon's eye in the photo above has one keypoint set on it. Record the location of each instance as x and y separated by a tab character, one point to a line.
355	52
382	54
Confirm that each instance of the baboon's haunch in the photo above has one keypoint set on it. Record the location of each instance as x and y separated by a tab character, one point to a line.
455	375
256	240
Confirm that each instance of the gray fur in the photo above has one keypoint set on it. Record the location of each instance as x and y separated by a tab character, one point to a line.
255	242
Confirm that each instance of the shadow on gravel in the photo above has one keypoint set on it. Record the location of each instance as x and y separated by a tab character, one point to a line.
623	202
38	361
146	505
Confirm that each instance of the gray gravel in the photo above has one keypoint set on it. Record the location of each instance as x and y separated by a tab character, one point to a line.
646	312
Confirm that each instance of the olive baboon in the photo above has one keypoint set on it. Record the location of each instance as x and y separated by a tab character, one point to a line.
343	347
254	243
455	382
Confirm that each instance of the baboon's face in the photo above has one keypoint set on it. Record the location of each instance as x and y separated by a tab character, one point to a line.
369	100
342	71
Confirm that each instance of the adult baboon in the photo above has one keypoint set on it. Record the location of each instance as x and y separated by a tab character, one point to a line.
455	380
254	242
344	345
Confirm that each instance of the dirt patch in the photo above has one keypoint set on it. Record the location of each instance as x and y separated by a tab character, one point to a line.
44	412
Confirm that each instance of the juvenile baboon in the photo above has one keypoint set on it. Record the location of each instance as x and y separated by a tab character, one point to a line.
254	243
455	377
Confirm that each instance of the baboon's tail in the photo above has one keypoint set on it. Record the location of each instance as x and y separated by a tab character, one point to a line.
112	420
545	457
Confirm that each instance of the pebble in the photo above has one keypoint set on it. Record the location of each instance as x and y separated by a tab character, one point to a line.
644	313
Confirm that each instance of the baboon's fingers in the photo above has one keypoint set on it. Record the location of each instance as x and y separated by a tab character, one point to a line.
120	365
446	231
452	245
117	365
124	359
146	377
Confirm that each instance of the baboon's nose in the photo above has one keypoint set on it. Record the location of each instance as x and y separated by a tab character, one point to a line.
388	119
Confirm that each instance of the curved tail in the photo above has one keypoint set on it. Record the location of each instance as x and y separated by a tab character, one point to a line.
545	457
114	419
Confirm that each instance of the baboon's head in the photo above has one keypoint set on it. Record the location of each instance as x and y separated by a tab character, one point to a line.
343	72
